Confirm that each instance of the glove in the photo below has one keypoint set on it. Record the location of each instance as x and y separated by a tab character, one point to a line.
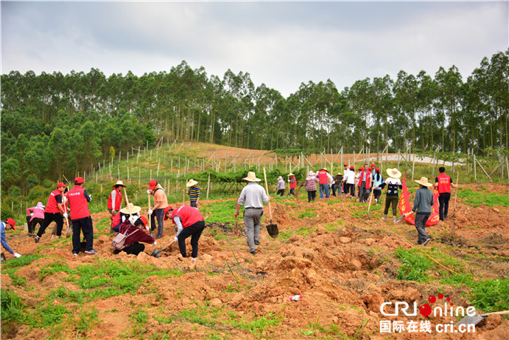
150	212
16	255
154	244
90	198
149	192
65	215
133	219
176	239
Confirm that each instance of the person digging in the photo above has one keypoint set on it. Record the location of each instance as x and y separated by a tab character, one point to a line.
7	225
54	212
190	222
136	233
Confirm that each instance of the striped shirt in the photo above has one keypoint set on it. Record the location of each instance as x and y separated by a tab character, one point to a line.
194	193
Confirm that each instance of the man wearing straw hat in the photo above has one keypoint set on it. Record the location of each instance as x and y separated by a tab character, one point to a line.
115	199
129	213
252	197
157	211
193	192
393	184
422	206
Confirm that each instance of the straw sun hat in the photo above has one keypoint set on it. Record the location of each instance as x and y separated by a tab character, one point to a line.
120	183
394	173
130	209
424	181
251	177
191	183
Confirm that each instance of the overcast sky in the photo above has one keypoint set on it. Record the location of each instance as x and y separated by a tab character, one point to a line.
280	44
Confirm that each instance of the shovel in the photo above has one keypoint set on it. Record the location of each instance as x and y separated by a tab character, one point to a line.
475	319
403	216
272	229
370	199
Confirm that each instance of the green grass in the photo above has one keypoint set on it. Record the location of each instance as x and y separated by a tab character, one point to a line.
220	212
10	268
477	198
12	307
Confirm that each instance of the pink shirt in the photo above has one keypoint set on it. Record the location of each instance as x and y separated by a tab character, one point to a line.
37	212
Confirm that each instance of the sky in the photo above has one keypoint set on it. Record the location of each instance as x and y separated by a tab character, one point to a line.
280	44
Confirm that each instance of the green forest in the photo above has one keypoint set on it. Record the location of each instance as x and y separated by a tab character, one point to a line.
56	124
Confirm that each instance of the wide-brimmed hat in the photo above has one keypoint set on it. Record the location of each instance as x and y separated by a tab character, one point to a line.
119	183
130	209
394	173
339	173
251	177
311	173
424	181
290	174
168	208
191	183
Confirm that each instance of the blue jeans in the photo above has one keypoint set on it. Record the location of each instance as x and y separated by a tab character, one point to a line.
324	188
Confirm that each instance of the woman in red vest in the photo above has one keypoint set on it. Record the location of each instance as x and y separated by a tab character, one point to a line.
443	183
189	222
54	212
81	220
115	199
364	183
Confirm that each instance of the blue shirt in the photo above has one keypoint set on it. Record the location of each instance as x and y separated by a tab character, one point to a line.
4	240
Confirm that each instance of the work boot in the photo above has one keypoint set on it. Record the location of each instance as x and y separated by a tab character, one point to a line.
384	218
37	238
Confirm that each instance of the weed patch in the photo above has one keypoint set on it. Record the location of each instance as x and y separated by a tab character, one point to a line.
477	198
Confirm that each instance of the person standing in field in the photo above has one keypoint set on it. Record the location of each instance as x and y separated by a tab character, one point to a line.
35	215
310	184
7	225
280	187
393	185
338	180
349	179
115	199
377	182
253	196
293	184
443	183
54	212
81	220
324	181
364	183
157	211
193	192
190	222
422	206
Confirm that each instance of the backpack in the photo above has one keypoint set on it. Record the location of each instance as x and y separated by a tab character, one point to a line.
119	241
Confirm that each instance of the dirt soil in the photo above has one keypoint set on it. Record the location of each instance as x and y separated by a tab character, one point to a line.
329	252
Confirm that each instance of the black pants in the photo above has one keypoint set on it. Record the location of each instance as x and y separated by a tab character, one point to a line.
134	248
194	231
443	209
377	194
281	192
192	203
292	192
31	224
391	200
352	189
420	225
159	214
84	224
51	217
311	196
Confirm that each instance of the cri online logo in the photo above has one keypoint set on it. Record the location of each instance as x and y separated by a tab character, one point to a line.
426	310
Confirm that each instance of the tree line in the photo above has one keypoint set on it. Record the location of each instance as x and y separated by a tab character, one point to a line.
56	124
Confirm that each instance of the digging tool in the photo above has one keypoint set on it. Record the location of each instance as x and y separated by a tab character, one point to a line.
370	199
68	232
403	216
475	319
236	226
456	194
272	229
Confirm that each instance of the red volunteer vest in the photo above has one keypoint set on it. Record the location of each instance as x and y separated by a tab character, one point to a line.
78	203
322	177
293	182
444	184
52	206
118	200
368	179
188	215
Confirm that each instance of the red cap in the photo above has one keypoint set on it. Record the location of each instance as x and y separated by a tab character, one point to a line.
361	168
79	180
144	220
152	184
352	168
345	164
59	185
369	169
372	165
168	208
12	223
377	169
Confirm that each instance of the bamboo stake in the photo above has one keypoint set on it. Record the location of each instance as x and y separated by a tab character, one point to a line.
456	193
484	170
